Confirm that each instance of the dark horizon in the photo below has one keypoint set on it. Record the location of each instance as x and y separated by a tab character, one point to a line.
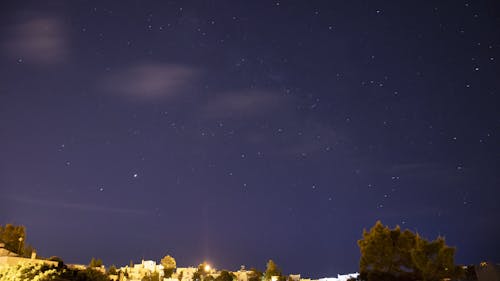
238	132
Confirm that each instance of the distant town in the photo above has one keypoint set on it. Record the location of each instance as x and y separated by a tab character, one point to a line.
19	261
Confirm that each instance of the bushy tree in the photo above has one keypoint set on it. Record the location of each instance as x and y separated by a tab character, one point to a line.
154	276
26	271
112	270
95	262
385	252
169	265
90	274
271	270
14	238
60	262
392	254
255	275
434	260
196	276
200	273
225	276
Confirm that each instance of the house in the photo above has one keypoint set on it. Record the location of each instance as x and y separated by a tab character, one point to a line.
341	277
138	271
242	274
8	258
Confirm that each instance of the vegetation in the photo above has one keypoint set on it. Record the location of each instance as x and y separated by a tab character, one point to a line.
60	262
255	275
201	273
386	255
112	270
392	254
225	276
88	274
14	238
95	262
23	272
272	270
154	276
26	271
169	265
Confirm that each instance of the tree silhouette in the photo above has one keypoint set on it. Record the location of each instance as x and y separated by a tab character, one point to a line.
392	254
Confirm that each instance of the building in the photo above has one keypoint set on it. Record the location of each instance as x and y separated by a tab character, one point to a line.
138	271
8	258
242	274
341	277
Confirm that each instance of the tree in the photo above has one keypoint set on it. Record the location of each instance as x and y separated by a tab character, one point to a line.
254	275
271	270
112	270
27	271
201	272
60	262
392	254
169	265
95	262
28	250
434	259
225	276
154	276
196	276
385	253
14	238
90	274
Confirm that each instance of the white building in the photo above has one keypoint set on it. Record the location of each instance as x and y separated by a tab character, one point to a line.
341	277
138	271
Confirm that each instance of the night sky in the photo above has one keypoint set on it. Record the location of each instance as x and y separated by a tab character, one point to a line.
241	131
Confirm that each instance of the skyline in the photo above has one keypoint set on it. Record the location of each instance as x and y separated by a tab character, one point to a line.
238	132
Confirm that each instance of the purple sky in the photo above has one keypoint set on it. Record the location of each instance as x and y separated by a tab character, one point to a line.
239	131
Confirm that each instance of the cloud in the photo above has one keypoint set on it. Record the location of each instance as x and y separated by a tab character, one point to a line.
78	206
244	103
40	40
149	81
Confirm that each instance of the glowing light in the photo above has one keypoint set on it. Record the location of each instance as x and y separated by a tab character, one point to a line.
207	268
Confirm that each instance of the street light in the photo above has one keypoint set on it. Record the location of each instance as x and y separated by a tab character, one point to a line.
207	268
20	242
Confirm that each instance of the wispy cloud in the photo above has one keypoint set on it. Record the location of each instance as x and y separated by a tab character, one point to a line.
149	81
77	206
244	103
39	40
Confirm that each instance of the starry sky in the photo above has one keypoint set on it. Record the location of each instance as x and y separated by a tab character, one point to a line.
241	131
